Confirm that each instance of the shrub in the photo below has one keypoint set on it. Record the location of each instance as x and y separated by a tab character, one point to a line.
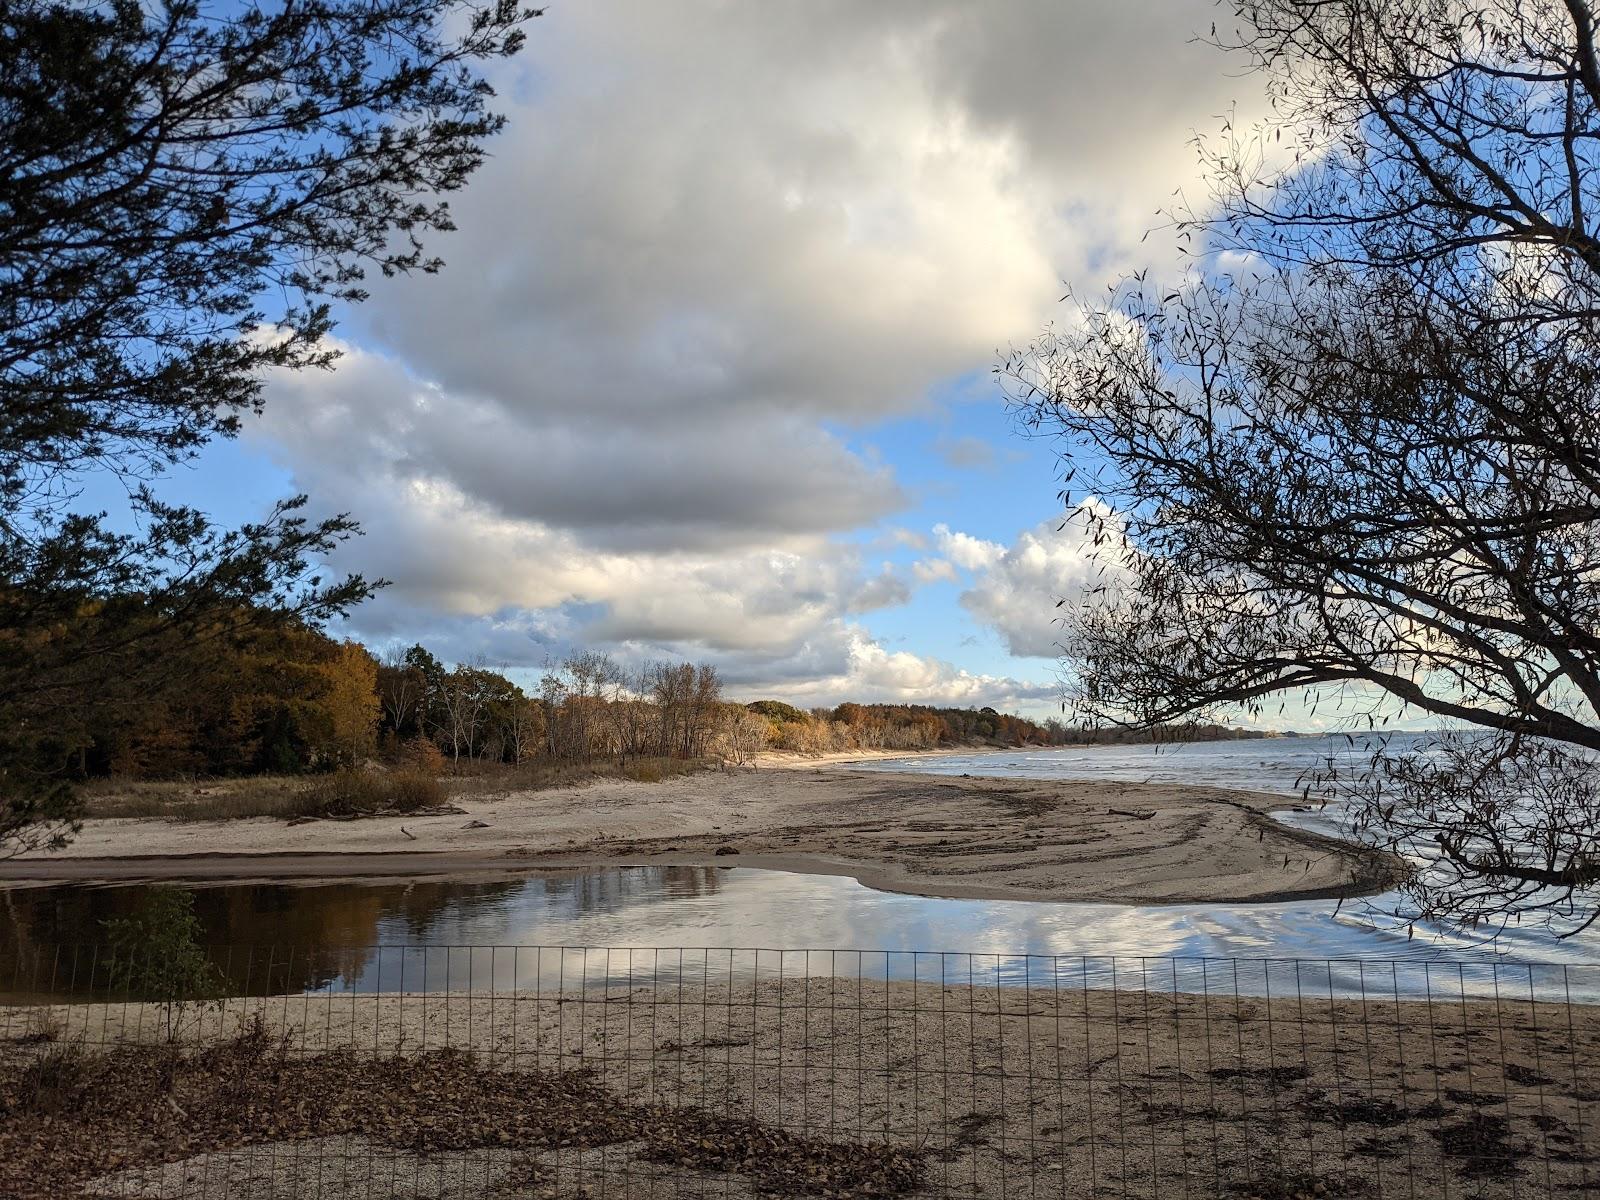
156	954
654	770
421	755
412	791
51	1084
777	710
363	793
44	1029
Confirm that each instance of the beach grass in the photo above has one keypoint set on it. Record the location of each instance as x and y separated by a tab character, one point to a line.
356	792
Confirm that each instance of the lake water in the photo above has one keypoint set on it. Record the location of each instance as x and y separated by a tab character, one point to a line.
1279	764
435	934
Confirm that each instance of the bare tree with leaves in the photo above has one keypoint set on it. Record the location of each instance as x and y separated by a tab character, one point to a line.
1356	446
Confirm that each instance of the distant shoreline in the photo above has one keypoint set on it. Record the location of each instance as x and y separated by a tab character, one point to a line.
799	759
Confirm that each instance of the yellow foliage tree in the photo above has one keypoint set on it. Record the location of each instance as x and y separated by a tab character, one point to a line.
350	701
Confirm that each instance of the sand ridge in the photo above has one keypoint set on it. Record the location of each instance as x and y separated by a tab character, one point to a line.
929	835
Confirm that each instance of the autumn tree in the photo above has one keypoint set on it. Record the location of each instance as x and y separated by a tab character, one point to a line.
635	721
186	192
740	733
1358	446
350	698
506	723
522	727
463	702
686	697
282	698
429	673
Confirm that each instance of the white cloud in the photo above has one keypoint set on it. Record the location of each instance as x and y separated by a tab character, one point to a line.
884	590
871	673
679	484
1015	588
713	240
966	551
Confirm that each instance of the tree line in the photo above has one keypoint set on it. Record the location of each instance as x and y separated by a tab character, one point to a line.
853	726
284	698
586	707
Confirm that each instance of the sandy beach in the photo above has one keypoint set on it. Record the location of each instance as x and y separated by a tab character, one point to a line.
1048	1092
920	834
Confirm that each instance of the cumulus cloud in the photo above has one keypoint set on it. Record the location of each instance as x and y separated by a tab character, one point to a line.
900	536
701	207
966	551
934	570
713	242
510	572
684	485
1015	588
708	229
871	673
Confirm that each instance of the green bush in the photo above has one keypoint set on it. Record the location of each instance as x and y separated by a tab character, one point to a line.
777	710
363	793
157	955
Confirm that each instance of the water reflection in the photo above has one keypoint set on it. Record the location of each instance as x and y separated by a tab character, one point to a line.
271	938
651	925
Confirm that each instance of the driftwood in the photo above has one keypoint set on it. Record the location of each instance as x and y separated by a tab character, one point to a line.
443	810
1129	812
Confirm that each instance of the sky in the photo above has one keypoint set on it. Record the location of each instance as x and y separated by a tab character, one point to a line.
707	374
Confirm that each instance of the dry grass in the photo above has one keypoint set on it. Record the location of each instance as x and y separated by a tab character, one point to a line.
195	800
351	792
363	793
344	793
480	780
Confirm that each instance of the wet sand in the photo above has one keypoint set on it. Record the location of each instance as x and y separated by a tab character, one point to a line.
919	834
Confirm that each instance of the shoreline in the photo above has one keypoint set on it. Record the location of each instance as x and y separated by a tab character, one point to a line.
956	837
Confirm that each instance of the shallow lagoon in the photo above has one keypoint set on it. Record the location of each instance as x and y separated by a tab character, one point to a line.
276	936
644	924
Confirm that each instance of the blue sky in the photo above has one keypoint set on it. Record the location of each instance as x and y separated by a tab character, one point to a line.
970	469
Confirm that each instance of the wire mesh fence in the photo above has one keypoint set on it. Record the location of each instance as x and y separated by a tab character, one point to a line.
570	1071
